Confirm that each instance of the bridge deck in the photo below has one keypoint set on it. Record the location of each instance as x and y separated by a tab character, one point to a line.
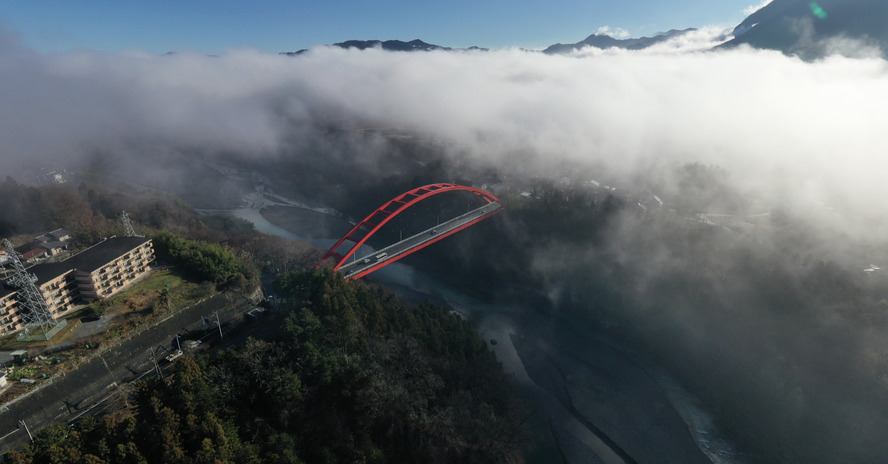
364	265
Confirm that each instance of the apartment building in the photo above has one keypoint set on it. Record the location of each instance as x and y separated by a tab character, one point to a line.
98	272
10	319
111	265
56	283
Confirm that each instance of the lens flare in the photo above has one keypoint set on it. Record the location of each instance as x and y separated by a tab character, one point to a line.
817	10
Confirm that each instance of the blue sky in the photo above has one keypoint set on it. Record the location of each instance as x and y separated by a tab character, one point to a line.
272	25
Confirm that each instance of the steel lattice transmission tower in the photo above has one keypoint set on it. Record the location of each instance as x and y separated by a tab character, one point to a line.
128	230
36	309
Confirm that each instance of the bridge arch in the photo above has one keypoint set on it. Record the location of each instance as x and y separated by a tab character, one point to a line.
365	229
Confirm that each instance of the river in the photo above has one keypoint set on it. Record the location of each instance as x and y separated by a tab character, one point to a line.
603	402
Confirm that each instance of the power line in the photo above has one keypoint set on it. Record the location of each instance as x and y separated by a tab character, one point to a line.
36	310
128	230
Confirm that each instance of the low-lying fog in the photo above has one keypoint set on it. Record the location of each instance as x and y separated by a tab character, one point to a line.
808	132
805	139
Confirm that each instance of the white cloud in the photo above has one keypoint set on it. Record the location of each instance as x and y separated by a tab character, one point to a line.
753	8
810	132
617	32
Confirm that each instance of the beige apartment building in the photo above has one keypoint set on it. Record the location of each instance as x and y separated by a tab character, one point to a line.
10	319
97	272
56	283
112	265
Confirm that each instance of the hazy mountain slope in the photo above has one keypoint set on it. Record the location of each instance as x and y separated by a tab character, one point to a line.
594	40
414	45
606	41
391	45
816	29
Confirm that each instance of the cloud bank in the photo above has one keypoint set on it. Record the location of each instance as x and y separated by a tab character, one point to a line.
810	132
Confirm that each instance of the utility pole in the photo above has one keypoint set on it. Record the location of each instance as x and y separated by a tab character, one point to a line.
206	321
113	382
179	346
218	324
27	430
156	366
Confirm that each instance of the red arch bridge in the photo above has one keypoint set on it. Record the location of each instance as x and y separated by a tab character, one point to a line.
359	266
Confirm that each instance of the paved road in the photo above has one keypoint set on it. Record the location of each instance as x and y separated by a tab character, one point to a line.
364	265
69	396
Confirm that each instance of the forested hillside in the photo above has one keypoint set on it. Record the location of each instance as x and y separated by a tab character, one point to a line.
354	376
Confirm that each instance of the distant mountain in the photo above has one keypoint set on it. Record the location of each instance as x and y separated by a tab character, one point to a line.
606	41
808	29
415	45
814	29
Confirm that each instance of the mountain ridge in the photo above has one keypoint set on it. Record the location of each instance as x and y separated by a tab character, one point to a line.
605	41
415	45
807	29
813	30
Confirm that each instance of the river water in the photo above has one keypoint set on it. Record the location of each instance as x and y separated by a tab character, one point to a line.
602	401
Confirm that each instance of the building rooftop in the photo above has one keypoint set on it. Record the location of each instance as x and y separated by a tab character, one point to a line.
58	235
32	253
104	252
88	260
48	271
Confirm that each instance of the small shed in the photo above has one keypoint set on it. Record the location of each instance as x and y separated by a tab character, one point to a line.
19	356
